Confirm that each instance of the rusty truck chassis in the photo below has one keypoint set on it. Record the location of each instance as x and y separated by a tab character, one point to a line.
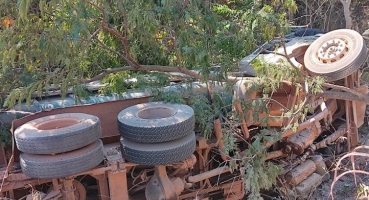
112	175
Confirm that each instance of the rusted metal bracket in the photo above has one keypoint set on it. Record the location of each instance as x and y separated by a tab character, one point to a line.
342	130
118	185
245	130
351	114
68	188
161	187
219	135
102	183
232	190
208	174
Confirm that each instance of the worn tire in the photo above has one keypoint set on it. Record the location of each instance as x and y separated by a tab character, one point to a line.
336	54
57	133
156	122
159	153
62	165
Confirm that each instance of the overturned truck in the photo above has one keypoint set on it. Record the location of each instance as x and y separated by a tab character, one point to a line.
136	149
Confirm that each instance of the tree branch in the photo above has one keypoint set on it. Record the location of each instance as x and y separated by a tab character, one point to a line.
343	96
346	12
281	54
342	88
125	21
285	53
103	21
94	34
177	50
102	45
113	31
107	72
144	68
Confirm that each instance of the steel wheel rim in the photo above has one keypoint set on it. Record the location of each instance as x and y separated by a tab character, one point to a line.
333	50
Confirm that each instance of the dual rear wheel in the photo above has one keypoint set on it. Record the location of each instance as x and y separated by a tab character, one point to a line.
157	133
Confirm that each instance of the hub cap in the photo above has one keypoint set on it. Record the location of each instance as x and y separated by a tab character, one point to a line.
332	50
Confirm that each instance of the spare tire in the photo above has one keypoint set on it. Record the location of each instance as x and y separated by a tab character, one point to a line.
62	165
336	54
57	133
156	122
159	153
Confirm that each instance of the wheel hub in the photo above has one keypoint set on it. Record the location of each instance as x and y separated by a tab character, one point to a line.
332	50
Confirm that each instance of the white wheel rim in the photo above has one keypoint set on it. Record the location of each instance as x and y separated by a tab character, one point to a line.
332	50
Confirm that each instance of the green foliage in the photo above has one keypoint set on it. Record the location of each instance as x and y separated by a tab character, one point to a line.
60	43
258	173
211	106
151	81
38	50
275	73
270	77
114	83
363	190
20	94
5	136
207	106
81	93
229	141
315	84
205	114
170	97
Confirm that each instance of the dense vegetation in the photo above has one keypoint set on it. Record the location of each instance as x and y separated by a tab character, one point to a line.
72	42
61	45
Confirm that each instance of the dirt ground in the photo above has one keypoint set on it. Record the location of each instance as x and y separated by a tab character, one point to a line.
345	187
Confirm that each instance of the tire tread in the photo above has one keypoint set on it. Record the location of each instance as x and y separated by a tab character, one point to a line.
165	155
54	168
